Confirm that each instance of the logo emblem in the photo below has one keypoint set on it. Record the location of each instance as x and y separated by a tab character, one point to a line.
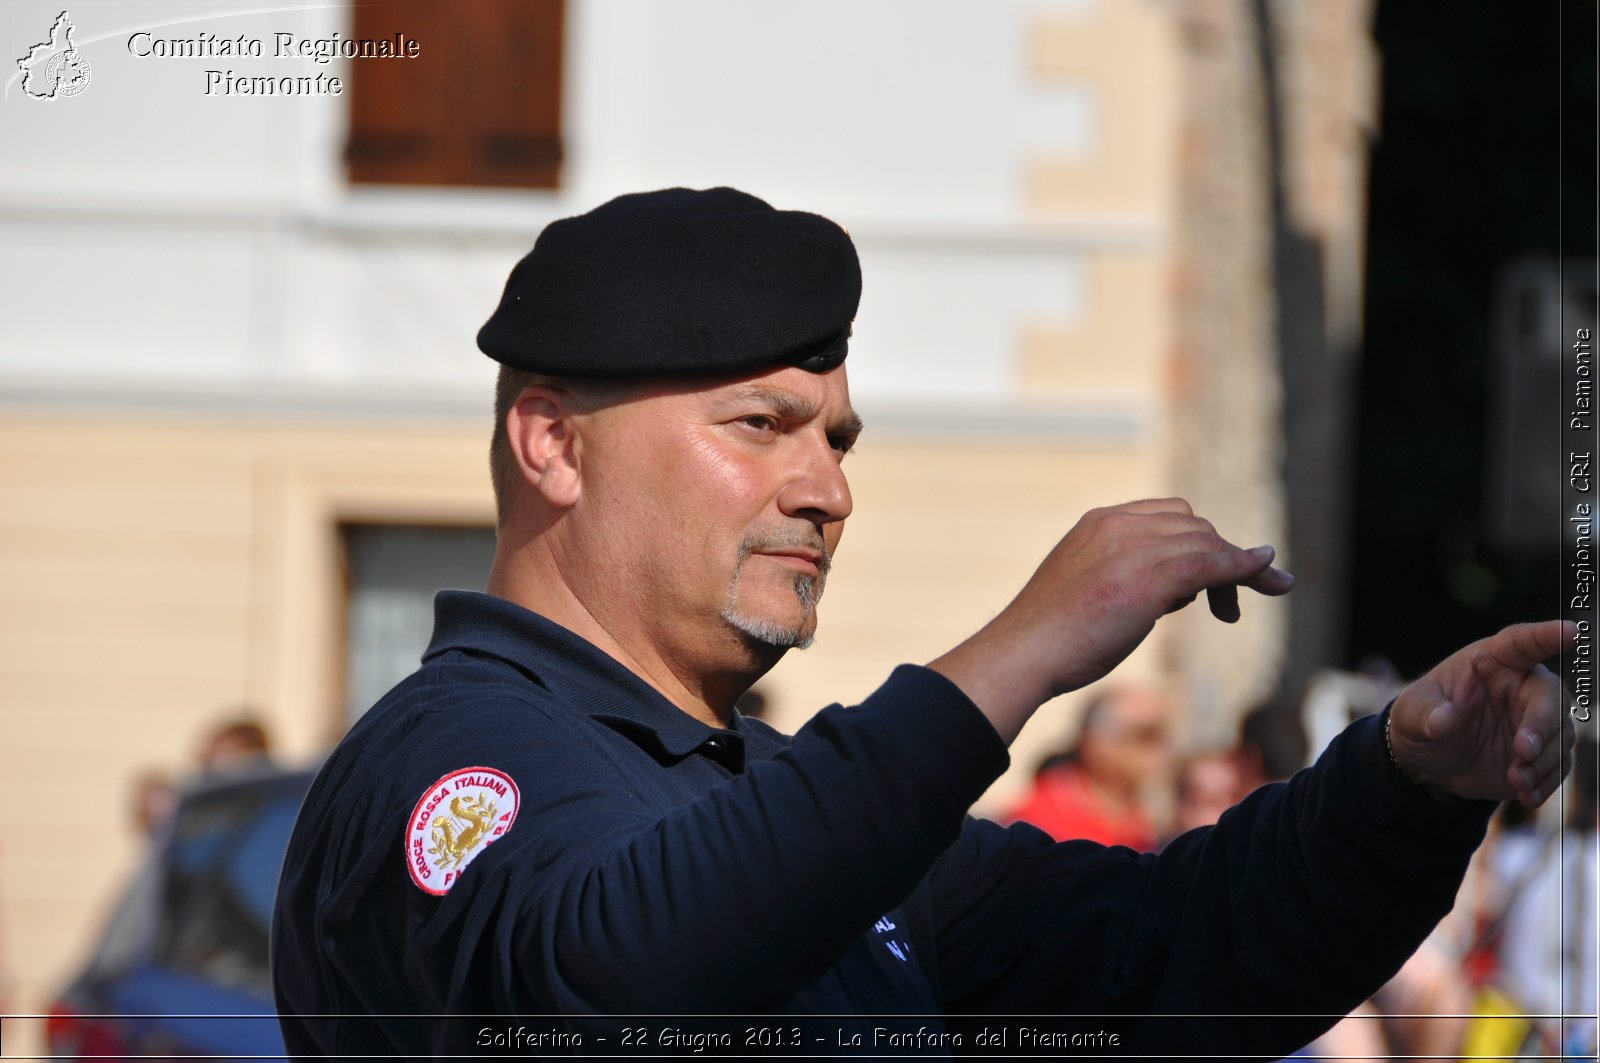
54	69
454	821
898	947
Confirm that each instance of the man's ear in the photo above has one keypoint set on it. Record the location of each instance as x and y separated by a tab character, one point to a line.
542	432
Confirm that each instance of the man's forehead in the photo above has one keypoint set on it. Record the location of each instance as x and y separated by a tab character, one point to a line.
798	394
1138	704
792	392
1132	706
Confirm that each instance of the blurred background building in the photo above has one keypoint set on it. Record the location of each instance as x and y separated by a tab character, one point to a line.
1112	249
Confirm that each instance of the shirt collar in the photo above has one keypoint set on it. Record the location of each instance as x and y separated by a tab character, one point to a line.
576	670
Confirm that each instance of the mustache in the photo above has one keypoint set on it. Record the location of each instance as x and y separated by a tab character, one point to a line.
788	539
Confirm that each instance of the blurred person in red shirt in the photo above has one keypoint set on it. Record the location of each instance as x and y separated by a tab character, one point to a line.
1096	789
1206	785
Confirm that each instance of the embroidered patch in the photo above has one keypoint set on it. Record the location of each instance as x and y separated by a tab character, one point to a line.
458	816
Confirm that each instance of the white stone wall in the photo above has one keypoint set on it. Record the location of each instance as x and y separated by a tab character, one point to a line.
166	241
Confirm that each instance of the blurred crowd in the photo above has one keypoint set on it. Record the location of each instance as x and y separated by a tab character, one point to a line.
1516	953
238	743
235	744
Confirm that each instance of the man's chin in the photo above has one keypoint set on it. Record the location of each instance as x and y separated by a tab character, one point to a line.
785	634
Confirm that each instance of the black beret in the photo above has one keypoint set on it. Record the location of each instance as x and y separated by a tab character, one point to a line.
675	282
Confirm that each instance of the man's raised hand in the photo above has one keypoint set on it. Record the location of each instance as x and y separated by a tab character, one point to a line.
1095	597
1489	721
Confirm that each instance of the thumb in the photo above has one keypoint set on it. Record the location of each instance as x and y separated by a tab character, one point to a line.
1442	721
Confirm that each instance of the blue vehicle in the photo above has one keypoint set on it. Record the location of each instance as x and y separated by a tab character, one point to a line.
182	968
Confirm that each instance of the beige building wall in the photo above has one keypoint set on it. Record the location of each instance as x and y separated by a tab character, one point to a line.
155	573
1246	303
1124	55
1224	386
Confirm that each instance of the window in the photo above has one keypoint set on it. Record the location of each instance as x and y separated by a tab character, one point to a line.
480	105
393	573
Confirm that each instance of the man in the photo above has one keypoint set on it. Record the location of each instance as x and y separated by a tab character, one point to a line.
1096	790
560	814
1272	745
1205	786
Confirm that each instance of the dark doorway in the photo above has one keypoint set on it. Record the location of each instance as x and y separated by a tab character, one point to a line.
1486	158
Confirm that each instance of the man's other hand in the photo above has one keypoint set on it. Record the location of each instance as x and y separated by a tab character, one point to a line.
1095	597
1489	722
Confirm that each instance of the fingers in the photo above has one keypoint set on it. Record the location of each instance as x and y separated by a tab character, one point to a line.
1224	602
1542	723
1521	646
1271	581
1535	794
1219	570
1156	505
1544	739
1535	783
1127	523
1185	552
1248	568
1545	736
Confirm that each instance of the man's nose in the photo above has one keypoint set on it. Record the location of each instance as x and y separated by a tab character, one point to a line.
817	489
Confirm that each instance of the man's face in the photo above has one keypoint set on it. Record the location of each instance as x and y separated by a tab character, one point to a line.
1127	746
1208	787
720	504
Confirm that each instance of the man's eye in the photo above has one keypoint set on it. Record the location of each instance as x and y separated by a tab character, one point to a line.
761	422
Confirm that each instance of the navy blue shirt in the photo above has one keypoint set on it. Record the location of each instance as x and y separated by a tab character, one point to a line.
525	827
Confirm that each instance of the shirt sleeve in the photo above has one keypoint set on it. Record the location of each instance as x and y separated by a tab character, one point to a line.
1248	937
599	900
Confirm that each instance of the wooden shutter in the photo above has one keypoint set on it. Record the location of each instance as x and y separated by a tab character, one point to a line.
480	106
